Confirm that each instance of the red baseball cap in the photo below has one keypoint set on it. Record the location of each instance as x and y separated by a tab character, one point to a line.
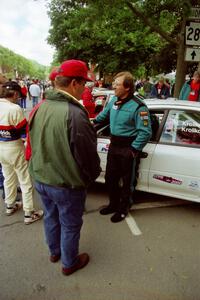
53	74
74	68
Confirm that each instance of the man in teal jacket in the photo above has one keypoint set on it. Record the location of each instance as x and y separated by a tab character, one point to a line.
130	128
62	139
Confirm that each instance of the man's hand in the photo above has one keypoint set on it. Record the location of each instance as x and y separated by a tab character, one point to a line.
135	152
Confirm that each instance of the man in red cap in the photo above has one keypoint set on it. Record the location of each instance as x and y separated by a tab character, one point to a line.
62	139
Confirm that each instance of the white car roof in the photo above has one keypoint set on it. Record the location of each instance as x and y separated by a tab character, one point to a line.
172	103
102	92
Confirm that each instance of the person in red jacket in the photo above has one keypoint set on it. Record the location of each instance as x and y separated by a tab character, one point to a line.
191	89
87	100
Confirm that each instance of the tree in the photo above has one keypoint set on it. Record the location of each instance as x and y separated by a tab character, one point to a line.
10	63
125	35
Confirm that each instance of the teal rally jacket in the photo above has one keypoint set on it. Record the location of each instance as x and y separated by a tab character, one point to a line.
131	119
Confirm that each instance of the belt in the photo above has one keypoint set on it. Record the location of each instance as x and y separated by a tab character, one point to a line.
122	141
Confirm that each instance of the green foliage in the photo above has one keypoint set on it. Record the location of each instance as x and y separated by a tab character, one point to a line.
11	62
111	34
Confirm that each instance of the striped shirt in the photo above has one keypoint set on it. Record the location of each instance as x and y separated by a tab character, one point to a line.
12	121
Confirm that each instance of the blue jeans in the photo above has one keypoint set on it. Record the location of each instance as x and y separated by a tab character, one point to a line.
35	100
23	102
63	211
1	177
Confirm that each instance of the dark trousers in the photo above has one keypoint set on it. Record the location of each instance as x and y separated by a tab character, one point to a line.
120	166
23	102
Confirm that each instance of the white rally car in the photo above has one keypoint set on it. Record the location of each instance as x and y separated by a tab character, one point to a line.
172	167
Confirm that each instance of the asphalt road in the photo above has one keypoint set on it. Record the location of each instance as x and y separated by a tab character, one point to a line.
153	255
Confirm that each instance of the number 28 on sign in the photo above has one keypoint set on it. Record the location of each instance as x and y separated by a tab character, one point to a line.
192	34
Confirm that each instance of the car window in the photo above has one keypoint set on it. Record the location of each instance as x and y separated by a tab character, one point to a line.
156	120
182	128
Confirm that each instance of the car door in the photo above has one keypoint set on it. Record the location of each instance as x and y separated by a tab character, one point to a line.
175	162
102	148
157	121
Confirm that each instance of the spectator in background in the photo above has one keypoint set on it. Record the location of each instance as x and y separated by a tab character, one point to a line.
167	82
28	84
139	85
191	88
160	90
24	92
87	98
35	92
52	76
147	86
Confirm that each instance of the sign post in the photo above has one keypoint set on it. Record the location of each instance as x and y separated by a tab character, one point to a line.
195	13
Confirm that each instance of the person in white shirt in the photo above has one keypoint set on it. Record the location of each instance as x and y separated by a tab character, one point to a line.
12	154
35	92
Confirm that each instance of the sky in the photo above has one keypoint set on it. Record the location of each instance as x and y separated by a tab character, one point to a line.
24	26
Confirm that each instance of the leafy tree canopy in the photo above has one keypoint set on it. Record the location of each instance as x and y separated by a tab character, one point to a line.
112	34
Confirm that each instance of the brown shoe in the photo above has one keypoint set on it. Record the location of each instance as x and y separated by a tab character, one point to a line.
54	258
83	260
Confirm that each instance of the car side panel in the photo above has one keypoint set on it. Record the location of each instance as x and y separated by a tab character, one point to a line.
102	148
174	172
144	167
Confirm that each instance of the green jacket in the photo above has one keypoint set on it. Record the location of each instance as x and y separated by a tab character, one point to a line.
131	119
63	142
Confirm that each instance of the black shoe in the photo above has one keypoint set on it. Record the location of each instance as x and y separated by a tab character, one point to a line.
107	210
118	217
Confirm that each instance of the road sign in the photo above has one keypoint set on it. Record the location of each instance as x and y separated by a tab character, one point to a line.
195	13
192	54
192	34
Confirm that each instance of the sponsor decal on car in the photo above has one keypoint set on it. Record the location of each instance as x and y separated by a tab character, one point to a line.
189	126
167	179
103	147
194	185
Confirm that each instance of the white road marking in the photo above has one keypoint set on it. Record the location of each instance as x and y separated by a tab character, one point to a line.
132	225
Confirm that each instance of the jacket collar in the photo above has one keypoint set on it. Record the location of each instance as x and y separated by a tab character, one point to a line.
120	101
63	96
